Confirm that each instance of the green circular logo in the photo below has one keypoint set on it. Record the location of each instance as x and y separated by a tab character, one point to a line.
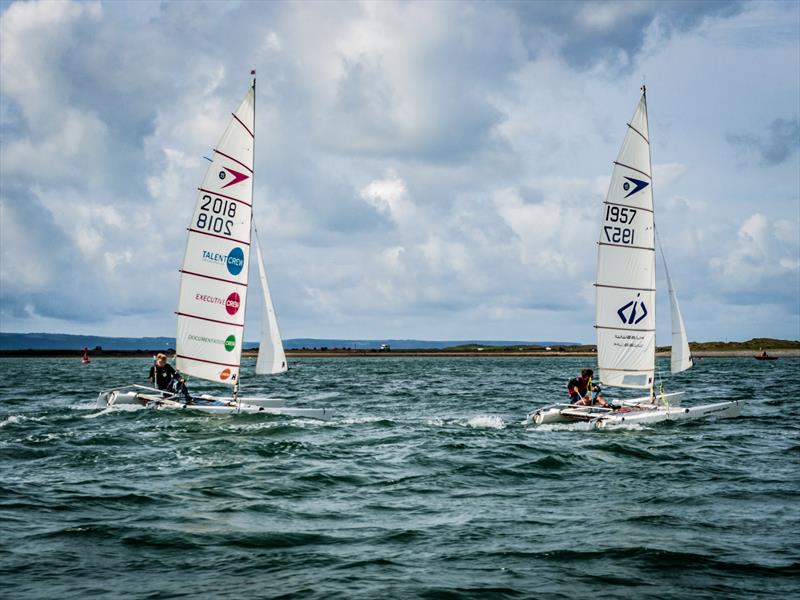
230	343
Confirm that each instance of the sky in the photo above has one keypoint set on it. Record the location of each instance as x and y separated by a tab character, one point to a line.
429	170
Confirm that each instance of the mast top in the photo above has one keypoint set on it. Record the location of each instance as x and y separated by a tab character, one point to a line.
253	73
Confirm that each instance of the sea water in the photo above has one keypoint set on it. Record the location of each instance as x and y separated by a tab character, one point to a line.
425	484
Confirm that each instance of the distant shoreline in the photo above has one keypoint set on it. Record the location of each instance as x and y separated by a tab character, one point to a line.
345	353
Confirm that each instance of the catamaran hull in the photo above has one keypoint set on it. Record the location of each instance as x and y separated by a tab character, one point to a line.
721	410
208	404
604	418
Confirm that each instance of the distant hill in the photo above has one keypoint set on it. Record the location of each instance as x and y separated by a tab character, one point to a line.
63	341
754	344
311	343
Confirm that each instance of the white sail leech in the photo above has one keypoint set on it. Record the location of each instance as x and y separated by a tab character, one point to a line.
271	356
213	288
625	286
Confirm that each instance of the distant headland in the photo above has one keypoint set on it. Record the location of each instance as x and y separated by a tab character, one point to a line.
65	345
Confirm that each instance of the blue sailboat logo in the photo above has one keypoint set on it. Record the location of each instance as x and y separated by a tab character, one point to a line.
640	185
631	317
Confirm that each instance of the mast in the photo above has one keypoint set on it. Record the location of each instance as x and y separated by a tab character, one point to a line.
655	262
252	182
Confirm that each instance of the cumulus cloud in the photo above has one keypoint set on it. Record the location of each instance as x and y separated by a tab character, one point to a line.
762	261
777	144
424	169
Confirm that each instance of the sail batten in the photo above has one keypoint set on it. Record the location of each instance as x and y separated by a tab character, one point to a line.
625	285
213	288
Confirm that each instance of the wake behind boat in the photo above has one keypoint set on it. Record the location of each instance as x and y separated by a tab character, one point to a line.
213	290
625	302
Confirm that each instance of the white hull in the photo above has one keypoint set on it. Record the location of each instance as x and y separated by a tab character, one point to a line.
207	404
604	418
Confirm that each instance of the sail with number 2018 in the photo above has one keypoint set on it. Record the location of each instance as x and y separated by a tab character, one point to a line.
213	288
214	284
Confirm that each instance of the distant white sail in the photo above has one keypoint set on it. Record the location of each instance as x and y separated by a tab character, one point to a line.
626	283
681	357
271	357
213	288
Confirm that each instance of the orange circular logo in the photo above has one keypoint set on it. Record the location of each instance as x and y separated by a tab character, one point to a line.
225	374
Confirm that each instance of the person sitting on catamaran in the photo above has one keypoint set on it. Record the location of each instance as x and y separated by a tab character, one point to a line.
574	391
583	393
161	373
167	379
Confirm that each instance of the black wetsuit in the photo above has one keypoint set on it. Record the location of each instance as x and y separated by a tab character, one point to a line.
165	375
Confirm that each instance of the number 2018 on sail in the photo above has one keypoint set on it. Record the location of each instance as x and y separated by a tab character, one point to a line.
212	215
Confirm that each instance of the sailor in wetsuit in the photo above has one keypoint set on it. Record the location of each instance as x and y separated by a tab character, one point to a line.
161	373
583	393
168	379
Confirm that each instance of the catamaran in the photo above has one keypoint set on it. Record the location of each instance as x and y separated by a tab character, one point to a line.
213	288
625	302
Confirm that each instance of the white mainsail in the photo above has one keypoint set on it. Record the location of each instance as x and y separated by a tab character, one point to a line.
626	268
213	288
680	356
271	357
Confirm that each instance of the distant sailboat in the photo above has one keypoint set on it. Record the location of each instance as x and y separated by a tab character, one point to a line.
625	300
214	284
85	360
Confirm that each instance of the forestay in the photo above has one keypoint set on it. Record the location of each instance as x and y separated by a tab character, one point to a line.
271	357
625	287
213	288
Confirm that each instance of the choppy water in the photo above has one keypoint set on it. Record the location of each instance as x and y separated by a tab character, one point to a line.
424	486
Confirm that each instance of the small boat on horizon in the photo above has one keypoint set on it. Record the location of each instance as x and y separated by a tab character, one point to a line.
765	356
85	360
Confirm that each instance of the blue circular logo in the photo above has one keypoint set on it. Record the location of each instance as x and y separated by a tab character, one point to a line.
235	261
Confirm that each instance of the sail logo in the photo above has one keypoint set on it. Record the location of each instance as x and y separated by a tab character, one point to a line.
640	185
630	315
230	342
235	261
226	374
237	177
232	303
